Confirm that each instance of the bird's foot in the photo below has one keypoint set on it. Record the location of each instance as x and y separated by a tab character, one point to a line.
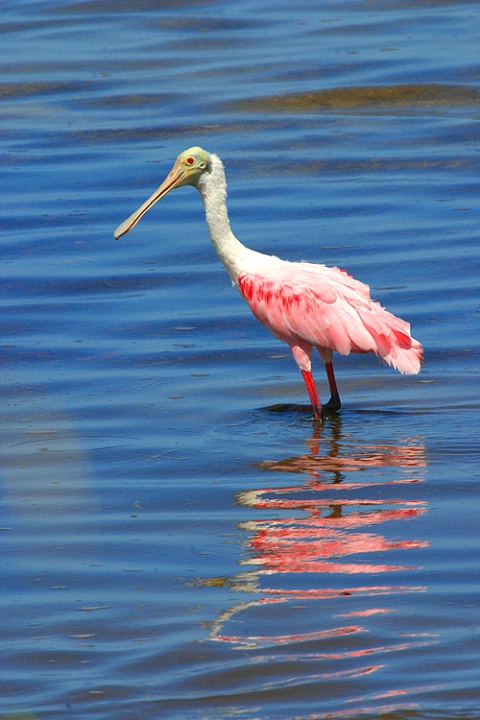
333	404
320	412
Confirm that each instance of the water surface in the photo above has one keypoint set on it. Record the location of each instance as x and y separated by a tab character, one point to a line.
179	539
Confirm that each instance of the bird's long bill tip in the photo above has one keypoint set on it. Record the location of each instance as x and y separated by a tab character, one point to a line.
123	228
133	219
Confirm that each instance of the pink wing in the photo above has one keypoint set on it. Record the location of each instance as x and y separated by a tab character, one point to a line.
327	308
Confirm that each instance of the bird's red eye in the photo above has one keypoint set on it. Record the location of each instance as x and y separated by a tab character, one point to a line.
190	160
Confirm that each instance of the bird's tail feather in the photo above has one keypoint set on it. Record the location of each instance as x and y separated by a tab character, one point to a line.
396	346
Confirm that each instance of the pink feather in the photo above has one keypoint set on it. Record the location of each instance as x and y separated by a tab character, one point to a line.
324	307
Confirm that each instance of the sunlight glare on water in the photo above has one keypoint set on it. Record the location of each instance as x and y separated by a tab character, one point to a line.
179	539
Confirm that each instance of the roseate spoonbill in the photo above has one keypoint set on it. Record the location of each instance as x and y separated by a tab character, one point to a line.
306	305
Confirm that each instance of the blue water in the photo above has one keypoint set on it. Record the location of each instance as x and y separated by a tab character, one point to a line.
178	538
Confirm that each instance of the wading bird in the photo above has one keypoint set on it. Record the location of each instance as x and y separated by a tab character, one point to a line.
306	305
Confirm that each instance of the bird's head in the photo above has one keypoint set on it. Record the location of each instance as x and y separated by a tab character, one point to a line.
188	168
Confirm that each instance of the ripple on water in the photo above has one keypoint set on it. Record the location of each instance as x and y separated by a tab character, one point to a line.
178	538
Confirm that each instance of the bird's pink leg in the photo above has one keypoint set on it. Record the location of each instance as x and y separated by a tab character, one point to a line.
334	402
313	394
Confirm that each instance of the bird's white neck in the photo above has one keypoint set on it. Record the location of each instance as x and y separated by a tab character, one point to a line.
212	187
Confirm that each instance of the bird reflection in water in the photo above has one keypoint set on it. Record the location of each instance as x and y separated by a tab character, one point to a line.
331	525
